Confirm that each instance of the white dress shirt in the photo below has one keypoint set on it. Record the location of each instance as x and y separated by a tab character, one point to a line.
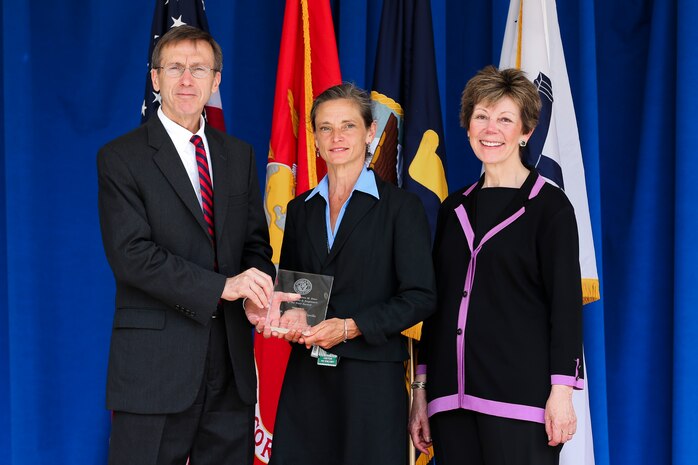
187	152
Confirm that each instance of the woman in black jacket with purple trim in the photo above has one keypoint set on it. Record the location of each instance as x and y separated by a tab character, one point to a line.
504	350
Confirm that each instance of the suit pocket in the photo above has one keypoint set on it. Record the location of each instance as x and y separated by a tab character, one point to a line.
143	318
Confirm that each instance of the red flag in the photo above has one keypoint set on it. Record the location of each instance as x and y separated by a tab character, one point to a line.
308	64
214	111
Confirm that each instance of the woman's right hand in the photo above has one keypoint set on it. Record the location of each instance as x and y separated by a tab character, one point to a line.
419	422
283	326
295	323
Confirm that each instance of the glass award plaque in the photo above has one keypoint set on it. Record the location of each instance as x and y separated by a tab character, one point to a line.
299	302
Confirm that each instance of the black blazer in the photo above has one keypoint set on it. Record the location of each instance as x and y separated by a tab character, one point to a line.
516	327
380	260
156	242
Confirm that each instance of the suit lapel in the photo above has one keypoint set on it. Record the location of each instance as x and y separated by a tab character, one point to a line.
359	205
167	159
221	178
316	226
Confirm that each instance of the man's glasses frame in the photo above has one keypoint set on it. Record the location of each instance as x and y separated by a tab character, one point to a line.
176	70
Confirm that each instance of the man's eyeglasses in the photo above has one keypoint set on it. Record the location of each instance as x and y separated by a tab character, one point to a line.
176	70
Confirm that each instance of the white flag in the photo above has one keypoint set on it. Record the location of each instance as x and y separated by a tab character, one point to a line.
532	43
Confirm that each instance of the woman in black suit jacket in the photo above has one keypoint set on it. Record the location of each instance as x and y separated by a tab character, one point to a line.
374	239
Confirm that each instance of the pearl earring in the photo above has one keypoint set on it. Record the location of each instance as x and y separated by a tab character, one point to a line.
522	143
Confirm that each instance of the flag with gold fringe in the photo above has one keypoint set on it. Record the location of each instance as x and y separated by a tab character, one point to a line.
308	64
409	148
532	42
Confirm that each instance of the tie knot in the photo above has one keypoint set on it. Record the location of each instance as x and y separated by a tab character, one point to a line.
197	141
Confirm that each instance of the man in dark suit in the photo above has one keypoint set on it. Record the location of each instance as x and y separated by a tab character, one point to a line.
186	237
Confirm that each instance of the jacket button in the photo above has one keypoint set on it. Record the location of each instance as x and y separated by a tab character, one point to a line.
465	293
459	331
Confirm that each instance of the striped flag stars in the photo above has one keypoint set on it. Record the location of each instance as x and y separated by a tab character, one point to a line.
177	22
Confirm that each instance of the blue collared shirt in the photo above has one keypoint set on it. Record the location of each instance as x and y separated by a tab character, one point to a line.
366	184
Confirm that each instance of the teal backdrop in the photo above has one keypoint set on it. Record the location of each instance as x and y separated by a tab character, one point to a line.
72	79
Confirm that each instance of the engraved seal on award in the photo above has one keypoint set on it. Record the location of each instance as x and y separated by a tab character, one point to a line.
303	286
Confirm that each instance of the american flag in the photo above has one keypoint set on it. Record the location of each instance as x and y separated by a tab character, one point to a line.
169	14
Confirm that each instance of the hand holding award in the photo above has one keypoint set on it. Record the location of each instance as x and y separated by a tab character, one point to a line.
299	302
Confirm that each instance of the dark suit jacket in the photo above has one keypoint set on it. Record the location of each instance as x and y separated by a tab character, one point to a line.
156	242
516	308
380	260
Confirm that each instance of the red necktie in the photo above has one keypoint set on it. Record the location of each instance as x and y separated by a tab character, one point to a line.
206	186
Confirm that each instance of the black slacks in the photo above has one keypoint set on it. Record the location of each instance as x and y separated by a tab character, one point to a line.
465	437
216	430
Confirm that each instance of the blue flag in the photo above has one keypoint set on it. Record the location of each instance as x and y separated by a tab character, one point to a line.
169	14
409	146
409	149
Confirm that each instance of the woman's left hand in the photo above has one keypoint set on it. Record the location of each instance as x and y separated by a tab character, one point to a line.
329	333
560	420
418	425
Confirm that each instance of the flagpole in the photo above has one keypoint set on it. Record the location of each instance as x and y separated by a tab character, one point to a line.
410	347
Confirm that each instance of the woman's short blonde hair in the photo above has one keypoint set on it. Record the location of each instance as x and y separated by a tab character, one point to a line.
490	84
